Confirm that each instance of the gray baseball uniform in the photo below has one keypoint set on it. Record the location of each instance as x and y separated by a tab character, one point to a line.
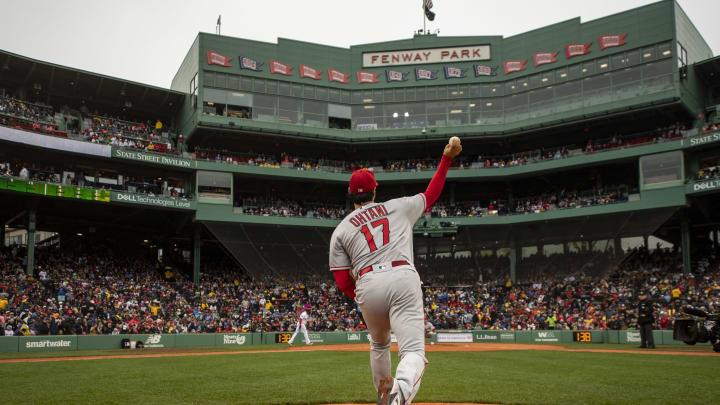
390	298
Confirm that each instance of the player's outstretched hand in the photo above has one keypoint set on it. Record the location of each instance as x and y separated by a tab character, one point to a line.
453	148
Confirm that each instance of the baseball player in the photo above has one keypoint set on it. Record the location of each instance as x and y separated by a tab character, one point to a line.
429	331
301	325
371	256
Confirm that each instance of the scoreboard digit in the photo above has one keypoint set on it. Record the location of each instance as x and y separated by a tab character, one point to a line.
282	337
582	337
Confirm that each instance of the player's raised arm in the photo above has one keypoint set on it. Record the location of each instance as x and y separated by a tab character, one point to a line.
452	149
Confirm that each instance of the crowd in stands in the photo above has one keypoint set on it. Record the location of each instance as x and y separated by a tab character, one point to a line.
147	136
532	205
27	111
134	135
283	208
711	127
98	293
70	176
517	159
155	138
564	200
710	170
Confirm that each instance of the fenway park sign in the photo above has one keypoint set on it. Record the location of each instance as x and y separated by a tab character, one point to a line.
425	56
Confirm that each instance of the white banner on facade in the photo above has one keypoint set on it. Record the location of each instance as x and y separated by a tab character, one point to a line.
53	142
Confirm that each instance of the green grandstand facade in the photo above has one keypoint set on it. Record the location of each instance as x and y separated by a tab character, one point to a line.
566	84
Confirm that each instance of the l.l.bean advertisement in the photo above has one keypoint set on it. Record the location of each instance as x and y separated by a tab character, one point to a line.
490	336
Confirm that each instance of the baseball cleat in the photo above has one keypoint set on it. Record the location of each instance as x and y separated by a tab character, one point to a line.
387	392
310	344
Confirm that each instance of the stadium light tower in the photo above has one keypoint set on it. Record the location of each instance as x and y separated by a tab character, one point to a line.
217	26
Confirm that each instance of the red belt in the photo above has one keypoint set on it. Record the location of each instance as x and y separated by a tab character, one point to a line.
368	269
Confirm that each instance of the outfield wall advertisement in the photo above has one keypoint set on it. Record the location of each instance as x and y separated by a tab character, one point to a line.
9	344
454	337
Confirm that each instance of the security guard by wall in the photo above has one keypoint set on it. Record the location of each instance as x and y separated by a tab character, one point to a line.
646	318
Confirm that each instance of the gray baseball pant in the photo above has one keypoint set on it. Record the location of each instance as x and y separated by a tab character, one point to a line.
391	299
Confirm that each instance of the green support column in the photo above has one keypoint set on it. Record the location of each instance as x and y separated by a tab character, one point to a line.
511	200
513	264
2	235
30	266
452	193
645	241
618	246
716	233
685	233
197	245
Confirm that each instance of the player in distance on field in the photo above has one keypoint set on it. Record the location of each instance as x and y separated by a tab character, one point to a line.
301	326
371	255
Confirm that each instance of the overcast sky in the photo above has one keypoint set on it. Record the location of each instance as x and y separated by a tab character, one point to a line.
146	40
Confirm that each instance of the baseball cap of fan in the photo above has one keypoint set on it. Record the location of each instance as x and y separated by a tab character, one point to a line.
362	181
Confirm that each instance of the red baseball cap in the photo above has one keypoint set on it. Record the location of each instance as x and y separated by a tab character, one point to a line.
362	181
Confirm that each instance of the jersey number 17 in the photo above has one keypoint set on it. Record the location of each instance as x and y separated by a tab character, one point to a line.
369	236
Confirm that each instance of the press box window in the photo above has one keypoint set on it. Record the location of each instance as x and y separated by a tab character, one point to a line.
214	187
339	116
239	104
214	101
662	169
212	108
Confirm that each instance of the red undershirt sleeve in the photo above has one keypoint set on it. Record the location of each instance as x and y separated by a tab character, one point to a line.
345	283
438	181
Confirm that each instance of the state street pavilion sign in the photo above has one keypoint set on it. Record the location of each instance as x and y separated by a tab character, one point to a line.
425	56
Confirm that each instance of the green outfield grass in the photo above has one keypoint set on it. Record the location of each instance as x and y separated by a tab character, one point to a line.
508	377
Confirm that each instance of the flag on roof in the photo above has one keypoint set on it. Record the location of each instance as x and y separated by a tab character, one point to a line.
427	5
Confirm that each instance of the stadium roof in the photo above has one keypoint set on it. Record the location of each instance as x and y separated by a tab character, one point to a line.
74	86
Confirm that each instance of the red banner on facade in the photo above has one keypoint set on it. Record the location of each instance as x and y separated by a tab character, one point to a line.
215	58
307	71
609	41
577	50
543	58
337	76
280	68
367	77
514	66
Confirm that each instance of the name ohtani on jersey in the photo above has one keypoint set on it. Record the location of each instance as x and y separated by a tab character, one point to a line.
368	215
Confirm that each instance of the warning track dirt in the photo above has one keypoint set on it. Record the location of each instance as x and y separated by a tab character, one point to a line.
444	347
